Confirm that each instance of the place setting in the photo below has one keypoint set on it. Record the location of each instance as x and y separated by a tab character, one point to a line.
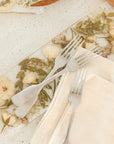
65	89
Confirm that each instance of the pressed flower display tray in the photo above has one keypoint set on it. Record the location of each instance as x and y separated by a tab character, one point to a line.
59	41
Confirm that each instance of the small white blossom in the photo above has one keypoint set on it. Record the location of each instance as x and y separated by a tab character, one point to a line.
51	51
30	77
102	42
7	88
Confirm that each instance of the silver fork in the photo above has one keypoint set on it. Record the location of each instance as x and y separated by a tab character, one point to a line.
26	98
66	54
74	98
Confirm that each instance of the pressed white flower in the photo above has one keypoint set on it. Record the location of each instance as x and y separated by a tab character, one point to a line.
102	42
30	77
4	5
7	88
51	51
12	120
111	30
8	118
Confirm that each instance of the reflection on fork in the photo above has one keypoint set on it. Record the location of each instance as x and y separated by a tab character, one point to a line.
74	98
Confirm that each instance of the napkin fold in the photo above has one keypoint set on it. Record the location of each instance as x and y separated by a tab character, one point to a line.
93	122
48	130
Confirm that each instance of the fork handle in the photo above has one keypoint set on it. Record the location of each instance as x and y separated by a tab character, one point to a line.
55	68
66	141
48	80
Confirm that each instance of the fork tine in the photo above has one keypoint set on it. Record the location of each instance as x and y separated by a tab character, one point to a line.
90	54
76	42
80	58
68	45
85	53
78	82
90	59
71	46
74	82
74	49
84	74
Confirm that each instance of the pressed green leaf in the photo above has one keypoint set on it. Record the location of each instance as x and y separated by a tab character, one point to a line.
104	15
5	122
48	86
38	62
41	72
109	20
25	61
79	24
54	87
20	75
46	95
51	63
111	14
31	68
110	38
3	128
19	84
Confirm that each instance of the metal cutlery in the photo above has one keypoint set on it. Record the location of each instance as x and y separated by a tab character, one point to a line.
74	98
66	54
27	98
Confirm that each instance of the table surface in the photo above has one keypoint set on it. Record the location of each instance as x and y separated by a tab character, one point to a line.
22	34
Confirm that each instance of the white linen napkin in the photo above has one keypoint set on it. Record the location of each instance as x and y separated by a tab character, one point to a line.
93	122
47	125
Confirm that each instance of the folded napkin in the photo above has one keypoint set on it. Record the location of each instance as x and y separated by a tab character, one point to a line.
93	122
46	127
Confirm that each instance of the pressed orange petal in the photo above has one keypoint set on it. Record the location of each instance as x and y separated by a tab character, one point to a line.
44	2
111	2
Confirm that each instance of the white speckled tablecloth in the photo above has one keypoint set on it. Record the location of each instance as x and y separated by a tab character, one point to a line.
21	35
